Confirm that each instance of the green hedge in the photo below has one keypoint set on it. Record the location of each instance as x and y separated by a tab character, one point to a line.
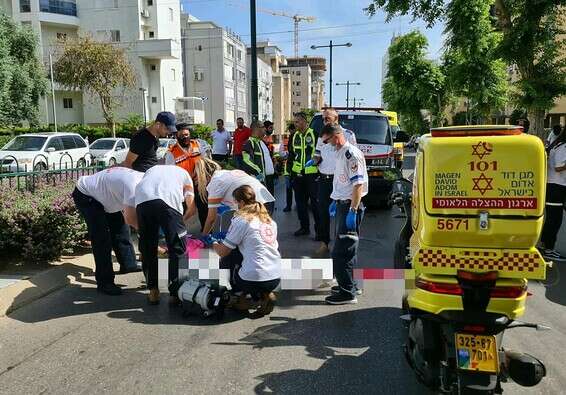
42	226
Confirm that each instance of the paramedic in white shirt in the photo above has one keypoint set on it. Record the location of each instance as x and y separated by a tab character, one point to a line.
221	142
100	199
159	204
555	197
254	234
325	158
350	184
217	186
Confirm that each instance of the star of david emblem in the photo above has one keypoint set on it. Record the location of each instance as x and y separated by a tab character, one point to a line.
482	183
482	149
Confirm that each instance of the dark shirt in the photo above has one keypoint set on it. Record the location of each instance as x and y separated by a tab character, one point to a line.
145	145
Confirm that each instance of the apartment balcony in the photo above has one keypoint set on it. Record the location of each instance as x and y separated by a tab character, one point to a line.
158	49
54	12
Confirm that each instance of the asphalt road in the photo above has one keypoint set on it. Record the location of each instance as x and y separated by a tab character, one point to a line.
77	341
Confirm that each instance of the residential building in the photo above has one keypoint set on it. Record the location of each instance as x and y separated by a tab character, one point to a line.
149	31
301	86
281	86
215	63
318	71
265	88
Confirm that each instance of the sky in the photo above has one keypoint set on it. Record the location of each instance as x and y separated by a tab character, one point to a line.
339	20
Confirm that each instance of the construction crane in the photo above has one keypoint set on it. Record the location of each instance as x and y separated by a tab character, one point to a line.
296	19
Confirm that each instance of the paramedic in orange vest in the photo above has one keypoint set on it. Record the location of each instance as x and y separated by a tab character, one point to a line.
185	154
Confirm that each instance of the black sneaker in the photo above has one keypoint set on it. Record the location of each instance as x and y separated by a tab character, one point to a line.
109	289
336	290
133	269
341	298
302	232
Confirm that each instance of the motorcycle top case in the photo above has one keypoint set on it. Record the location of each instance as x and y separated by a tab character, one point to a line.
478	201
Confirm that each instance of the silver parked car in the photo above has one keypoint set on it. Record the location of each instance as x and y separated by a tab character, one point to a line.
109	151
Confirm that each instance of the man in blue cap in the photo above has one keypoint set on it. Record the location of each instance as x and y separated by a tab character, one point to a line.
143	145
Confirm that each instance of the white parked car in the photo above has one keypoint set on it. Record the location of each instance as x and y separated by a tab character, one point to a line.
163	148
109	151
41	151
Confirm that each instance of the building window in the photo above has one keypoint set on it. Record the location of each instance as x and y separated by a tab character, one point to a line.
115	4
298	83
153	99
173	74
61	36
25	6
151	34
229	50
149	3
67	102
297	93
242	75
171	15
153	67
239	55
115	36
298	73
68	7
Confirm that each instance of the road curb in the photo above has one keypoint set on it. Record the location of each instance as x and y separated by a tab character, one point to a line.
25	291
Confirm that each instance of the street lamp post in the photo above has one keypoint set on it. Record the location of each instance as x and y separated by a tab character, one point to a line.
347	84
359	102
253	56
143	90
331	45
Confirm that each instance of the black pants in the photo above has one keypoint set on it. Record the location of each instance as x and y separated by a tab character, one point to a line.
305	193
555	204
324	191
270	185
107	232
289	192
202	208
153	215
233	261
345	250
219	157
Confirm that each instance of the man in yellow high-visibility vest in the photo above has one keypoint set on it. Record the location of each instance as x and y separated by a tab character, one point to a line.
303	172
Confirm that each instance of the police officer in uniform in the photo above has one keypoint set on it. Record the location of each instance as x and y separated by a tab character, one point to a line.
257	162
325	158
303	174
350	184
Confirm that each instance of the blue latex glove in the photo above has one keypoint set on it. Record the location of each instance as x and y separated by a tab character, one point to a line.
351	220
207	240
332	209
219	235
260	177
222	209
310	162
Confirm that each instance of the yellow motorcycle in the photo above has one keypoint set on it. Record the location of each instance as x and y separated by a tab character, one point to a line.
477	204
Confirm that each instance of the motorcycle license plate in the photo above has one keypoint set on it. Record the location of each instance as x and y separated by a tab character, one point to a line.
476	352
376	173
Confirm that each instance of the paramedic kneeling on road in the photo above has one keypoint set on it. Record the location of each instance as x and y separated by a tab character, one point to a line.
254	233
350	184
218	186
159	204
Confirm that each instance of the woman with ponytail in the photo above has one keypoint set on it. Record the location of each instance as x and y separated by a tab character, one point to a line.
216	186
254	234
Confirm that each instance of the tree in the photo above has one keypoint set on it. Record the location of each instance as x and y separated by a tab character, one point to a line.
530	41
98	68
473	69
414	83
22	77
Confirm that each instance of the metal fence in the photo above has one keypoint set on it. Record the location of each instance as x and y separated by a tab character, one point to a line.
28	176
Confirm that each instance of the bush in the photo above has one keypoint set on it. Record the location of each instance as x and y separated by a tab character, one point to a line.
4	140
40	226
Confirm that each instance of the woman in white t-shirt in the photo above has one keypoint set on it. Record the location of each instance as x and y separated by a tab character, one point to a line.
218	185
555	197
254	234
